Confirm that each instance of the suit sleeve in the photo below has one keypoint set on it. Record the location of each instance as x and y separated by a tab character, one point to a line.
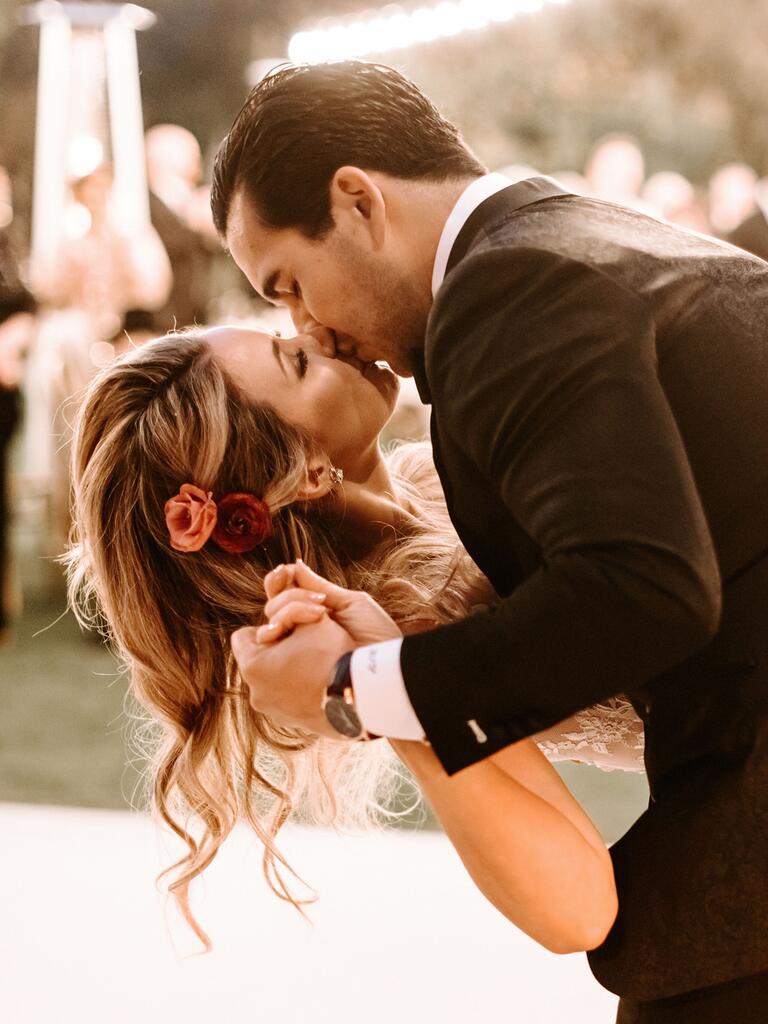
544	373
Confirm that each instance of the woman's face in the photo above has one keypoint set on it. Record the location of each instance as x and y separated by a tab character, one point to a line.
340	403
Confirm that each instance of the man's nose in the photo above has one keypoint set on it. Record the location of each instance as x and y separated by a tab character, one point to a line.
306	324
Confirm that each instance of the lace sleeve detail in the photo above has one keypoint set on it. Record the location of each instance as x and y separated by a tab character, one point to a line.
609	736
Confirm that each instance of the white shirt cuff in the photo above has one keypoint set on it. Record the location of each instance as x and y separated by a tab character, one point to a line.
380	696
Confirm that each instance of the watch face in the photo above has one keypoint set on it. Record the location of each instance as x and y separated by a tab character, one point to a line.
343	717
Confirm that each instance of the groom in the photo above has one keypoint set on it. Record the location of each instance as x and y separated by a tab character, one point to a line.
599	384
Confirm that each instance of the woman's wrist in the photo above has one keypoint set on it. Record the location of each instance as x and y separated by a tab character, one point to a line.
419	757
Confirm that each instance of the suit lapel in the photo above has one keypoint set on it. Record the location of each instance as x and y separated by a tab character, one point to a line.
522	193
497	544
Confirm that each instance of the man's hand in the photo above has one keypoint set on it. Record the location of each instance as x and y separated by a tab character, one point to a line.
287	681
316	622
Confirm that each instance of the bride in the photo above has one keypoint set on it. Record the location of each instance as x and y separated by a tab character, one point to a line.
205	462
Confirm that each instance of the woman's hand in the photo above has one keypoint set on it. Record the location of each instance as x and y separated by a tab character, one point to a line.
297	595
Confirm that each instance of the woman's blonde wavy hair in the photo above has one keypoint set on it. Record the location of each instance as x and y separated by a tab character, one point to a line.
168	414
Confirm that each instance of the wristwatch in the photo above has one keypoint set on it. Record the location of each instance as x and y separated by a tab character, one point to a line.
339	702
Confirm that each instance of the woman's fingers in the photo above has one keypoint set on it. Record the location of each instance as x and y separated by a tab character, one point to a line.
307	597
293	614
336	598
276	604
278	580
299	575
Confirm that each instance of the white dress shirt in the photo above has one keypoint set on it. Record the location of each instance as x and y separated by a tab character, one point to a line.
380	695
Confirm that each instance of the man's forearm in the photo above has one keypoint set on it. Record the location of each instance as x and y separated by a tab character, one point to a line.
589	625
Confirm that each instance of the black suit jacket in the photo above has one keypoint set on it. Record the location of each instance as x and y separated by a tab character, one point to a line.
599	383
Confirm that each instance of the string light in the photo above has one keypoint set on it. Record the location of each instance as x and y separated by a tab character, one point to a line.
394	28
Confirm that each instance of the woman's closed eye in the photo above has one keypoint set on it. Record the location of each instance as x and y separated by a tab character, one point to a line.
302	361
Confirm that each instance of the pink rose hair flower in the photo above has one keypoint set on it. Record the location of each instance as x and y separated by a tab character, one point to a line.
191	517
244	522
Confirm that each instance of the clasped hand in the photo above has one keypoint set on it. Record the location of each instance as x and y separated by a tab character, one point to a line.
287	664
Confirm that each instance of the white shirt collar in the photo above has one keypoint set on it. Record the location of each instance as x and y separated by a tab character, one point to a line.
469	200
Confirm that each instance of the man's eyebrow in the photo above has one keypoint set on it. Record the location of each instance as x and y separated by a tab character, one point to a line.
269	291
278	356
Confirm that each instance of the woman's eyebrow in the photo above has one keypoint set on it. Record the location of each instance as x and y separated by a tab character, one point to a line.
279	357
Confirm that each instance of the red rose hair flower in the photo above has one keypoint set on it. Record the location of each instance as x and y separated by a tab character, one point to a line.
244	522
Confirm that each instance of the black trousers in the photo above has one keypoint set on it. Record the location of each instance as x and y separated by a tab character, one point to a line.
742	1001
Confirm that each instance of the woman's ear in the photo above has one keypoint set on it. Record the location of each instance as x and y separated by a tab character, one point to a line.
318	480
358	202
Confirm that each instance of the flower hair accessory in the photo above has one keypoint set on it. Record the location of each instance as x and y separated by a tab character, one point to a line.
237	523
190	517
244	522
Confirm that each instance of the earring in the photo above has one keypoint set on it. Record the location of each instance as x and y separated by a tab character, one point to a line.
336	475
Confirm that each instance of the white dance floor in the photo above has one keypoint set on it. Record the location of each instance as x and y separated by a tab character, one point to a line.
399	934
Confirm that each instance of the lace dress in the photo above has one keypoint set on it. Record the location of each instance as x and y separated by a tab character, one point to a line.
608	736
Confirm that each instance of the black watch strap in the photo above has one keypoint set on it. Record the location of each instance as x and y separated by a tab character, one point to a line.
342	676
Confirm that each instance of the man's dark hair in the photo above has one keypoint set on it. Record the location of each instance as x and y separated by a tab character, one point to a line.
300	124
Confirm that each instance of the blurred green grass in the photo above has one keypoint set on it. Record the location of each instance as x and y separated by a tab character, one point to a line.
63	725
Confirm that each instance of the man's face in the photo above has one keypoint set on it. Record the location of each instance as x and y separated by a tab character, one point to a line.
356	290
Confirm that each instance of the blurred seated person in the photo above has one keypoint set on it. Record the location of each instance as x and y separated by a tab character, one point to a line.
731	197
752	233
16	327
180	212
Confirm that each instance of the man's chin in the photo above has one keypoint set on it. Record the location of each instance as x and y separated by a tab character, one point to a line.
400	360
404	370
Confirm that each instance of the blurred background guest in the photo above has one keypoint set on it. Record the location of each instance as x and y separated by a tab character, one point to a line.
16	327
615	171
180	212
672	197
98	273
731	197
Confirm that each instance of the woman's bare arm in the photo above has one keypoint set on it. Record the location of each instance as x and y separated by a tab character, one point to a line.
527	844
525	841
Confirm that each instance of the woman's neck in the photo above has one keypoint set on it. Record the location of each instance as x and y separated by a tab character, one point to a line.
371	509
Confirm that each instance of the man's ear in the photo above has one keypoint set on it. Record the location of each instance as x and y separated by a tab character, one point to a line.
317	481
358	203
